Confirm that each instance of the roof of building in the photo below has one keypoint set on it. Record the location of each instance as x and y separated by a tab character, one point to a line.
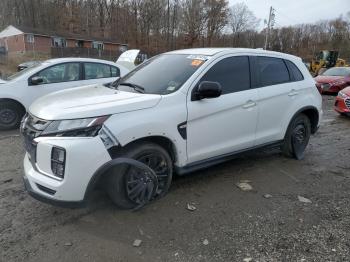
16	30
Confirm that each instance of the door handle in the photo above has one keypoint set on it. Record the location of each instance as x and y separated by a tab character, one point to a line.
293	92
249	104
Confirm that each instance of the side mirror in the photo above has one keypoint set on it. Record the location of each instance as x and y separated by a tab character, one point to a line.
36	80
207	89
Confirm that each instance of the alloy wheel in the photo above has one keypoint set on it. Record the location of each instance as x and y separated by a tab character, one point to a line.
140	186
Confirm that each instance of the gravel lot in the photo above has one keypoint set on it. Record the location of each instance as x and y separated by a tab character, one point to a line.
228	224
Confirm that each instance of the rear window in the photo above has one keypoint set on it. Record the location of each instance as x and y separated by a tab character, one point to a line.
272	71
295	73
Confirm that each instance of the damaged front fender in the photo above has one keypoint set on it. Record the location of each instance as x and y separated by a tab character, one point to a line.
145	170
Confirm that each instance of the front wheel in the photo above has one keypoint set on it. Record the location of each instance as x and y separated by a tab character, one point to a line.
297	137
128	187
10	115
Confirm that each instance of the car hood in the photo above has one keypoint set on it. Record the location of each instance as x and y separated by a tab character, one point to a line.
2	81
90	101
327	79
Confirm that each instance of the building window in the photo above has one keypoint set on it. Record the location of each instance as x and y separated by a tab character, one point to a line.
59	42
97	45
79	43
30	38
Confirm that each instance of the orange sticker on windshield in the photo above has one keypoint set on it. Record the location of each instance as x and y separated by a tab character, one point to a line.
196	62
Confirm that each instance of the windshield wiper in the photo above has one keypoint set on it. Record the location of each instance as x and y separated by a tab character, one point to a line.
136	87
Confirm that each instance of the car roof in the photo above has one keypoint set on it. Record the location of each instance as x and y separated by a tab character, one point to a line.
78	59
228	50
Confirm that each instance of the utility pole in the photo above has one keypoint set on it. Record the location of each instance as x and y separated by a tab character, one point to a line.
270	24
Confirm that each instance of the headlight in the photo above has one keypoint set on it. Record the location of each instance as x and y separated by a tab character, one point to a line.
84	127
342	95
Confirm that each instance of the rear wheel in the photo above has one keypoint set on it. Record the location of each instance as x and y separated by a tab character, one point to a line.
10	115
128	187
297	137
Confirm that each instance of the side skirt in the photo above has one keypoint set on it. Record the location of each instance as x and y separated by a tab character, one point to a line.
222	158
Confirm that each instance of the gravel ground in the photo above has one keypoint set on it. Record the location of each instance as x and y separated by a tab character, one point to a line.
228	224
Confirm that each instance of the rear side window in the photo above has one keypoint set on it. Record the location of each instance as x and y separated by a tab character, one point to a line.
294	71
272	71
115	71
96	70
232	73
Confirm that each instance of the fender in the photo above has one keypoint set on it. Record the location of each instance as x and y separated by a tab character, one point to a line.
314	126
112	163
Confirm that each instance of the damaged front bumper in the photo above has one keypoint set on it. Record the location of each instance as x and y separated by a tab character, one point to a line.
84	156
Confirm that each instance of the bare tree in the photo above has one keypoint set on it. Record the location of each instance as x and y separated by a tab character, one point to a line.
194	19
217	13
159	25
242	19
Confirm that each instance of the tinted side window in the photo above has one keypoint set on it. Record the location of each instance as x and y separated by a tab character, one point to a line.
60	73
95	70
272	71
115	71
294	71
232	73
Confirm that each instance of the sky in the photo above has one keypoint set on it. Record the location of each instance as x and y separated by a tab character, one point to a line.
291	12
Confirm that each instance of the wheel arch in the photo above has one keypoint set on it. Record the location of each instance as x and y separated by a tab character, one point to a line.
162	141
117	151
13	101
312	113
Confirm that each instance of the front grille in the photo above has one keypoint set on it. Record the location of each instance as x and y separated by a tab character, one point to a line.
32	127
347	103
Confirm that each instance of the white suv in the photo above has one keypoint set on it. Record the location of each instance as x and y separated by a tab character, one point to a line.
176	113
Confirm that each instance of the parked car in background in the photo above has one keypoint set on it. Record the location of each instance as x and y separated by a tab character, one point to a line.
342	102
333	80
22	88
132	58
177	112
25	65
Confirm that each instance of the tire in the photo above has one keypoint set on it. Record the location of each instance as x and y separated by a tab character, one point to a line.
11	115
117	178
297	137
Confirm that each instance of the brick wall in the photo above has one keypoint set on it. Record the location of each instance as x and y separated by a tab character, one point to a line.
41	44
71	43
13	43
111	47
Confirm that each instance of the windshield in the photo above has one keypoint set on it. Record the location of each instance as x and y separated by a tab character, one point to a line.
337	71
24	71
163	74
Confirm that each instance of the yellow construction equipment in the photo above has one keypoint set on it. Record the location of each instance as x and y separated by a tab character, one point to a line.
326	59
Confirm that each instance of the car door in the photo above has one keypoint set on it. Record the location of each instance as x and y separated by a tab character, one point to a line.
275	94
55	78
225	124
99	73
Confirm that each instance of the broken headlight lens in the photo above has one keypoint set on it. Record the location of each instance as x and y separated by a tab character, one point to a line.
85	127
